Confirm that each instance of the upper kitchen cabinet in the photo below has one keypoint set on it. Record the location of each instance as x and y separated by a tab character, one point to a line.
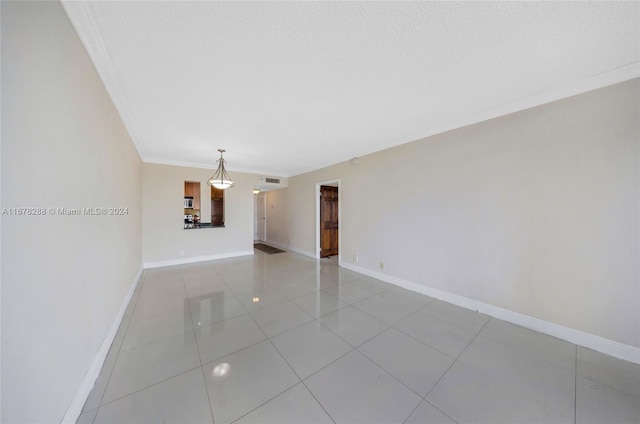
192	189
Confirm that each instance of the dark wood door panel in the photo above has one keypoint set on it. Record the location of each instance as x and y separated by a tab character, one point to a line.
329	225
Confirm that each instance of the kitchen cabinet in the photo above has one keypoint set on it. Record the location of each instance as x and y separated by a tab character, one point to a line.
192	189
217	207
188	189
196	196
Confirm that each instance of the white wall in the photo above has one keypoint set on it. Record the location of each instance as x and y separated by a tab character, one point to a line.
163	217
277	208
534	212
64	278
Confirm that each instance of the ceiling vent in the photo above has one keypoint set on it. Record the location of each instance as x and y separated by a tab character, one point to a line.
271	183
269	180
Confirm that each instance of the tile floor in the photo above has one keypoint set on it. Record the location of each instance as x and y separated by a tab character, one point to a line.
285	339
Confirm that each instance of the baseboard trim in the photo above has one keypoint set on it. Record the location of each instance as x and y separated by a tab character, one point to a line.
578	337
75	409
181	261
291	248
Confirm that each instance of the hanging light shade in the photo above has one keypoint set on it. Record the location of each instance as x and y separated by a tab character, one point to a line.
221	179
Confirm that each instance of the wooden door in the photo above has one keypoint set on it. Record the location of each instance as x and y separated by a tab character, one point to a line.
328	221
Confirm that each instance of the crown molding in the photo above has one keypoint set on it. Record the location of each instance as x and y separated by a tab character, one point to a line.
156	161
81	17
605	79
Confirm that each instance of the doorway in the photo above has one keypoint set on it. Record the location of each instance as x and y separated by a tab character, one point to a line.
261	217
328	219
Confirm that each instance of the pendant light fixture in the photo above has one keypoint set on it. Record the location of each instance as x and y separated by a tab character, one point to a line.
221	179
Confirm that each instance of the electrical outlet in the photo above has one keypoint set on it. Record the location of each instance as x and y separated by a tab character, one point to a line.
181	252
381	265
355	259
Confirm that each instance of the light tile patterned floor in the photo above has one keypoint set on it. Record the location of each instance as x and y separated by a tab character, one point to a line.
309	342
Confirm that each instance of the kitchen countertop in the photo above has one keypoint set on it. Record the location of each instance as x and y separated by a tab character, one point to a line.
200	225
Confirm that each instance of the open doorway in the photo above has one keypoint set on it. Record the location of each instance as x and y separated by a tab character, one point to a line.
328	219
260	217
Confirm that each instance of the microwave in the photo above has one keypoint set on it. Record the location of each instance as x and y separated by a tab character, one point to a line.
188	202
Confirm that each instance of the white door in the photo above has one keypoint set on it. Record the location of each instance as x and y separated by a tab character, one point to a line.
262	217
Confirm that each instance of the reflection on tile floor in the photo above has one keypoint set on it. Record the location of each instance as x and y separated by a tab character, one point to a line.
286	339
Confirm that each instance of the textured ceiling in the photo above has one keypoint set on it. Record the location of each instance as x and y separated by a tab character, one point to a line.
288	87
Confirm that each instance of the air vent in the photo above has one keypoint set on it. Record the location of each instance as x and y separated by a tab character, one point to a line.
270	183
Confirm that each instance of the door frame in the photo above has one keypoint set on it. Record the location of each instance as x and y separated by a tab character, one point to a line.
318	248
256	217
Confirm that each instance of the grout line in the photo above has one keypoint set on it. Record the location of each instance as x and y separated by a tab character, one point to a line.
356	301
319	403
195	338
389	372
497	380
306	378
413	410
255	265
403	332
288	329
443	413
206	389
283	358
106	385
287	362
233	353
151	385
456	359
267	401
341	356
365	341
441	377
301	380
427	344
474	337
